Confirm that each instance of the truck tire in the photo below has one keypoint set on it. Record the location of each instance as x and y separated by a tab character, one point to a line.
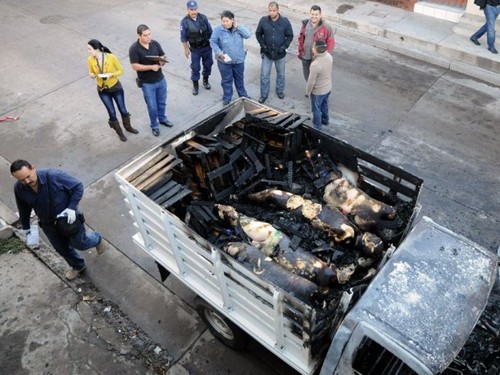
222	328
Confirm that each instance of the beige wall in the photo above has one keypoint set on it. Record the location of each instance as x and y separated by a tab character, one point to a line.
473	8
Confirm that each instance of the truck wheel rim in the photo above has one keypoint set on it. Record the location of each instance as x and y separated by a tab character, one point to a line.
218	323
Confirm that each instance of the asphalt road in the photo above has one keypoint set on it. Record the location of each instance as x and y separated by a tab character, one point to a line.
439	125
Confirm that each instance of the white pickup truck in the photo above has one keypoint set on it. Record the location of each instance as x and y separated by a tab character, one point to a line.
411	314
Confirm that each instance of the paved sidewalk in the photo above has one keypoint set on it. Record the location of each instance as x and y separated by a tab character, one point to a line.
412	34
48	327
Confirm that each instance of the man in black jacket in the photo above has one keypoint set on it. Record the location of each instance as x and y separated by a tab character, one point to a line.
274	34
491	10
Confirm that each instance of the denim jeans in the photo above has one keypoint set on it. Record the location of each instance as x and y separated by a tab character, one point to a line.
205	55
155	96
265	75
319	106
232	73
491	14
119	97
66	247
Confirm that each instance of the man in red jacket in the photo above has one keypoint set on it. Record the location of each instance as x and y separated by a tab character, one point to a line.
313	30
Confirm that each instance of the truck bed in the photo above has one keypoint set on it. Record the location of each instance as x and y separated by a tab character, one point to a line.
171	188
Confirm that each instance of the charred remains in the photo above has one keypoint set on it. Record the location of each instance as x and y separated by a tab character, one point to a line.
269	183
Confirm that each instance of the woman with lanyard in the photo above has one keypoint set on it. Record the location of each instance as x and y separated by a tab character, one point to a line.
105	68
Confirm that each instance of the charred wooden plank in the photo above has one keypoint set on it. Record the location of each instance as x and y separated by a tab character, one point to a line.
282	118
166	187
198	146
183	192
220	171
298	122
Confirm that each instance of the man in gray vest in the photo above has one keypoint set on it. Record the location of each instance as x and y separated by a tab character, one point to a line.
195	36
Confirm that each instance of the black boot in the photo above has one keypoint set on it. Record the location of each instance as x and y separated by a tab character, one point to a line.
195	87
126	124
206	85
116	126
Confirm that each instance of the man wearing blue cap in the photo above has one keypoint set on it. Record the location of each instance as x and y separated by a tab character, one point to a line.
195	38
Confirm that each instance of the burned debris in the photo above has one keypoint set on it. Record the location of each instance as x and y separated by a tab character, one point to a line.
269	184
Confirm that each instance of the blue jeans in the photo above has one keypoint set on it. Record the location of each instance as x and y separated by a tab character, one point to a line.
205	55
491	14
67	246
265	75
232	73
119	97
155	96
319	105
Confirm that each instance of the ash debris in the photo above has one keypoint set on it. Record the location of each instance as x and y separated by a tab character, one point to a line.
136	344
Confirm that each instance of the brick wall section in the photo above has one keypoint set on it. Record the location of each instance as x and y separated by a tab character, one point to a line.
403	4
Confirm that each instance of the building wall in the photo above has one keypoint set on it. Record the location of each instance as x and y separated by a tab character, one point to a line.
403	4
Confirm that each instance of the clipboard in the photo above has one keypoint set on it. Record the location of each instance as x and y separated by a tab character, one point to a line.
157	59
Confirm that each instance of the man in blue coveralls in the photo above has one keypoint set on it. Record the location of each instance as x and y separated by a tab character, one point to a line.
195	36
52	193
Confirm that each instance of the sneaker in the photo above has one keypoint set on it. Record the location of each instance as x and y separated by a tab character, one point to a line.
156	132
73	274
101	248
206	84
167	123
225	102
325	122
475	41
280	95
262	99
493	50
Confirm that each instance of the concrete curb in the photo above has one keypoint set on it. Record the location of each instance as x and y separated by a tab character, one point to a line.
6	231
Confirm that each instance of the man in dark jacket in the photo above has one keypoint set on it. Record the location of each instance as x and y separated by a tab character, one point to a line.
274	34
52	193
195	38
491	10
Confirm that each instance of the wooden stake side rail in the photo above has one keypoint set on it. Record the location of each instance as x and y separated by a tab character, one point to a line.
275	319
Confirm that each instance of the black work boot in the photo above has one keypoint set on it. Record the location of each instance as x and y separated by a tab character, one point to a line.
195	87
206	85
116	126
126	124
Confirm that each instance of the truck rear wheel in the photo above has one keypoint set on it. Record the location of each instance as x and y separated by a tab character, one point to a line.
222	328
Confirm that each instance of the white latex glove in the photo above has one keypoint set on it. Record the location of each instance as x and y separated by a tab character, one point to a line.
70	214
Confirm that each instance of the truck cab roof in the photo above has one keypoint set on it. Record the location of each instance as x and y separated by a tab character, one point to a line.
417	299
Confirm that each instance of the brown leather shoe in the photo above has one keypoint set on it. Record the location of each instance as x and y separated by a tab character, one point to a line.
101	248
73	274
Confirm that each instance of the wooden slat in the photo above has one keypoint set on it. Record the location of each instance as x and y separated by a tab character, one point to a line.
146	166
152	169
158	174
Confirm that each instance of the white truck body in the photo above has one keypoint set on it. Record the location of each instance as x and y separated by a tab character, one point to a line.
400	310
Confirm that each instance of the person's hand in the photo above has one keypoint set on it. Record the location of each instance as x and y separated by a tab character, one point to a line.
235	24
70	214
92	75
155	67
187	52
